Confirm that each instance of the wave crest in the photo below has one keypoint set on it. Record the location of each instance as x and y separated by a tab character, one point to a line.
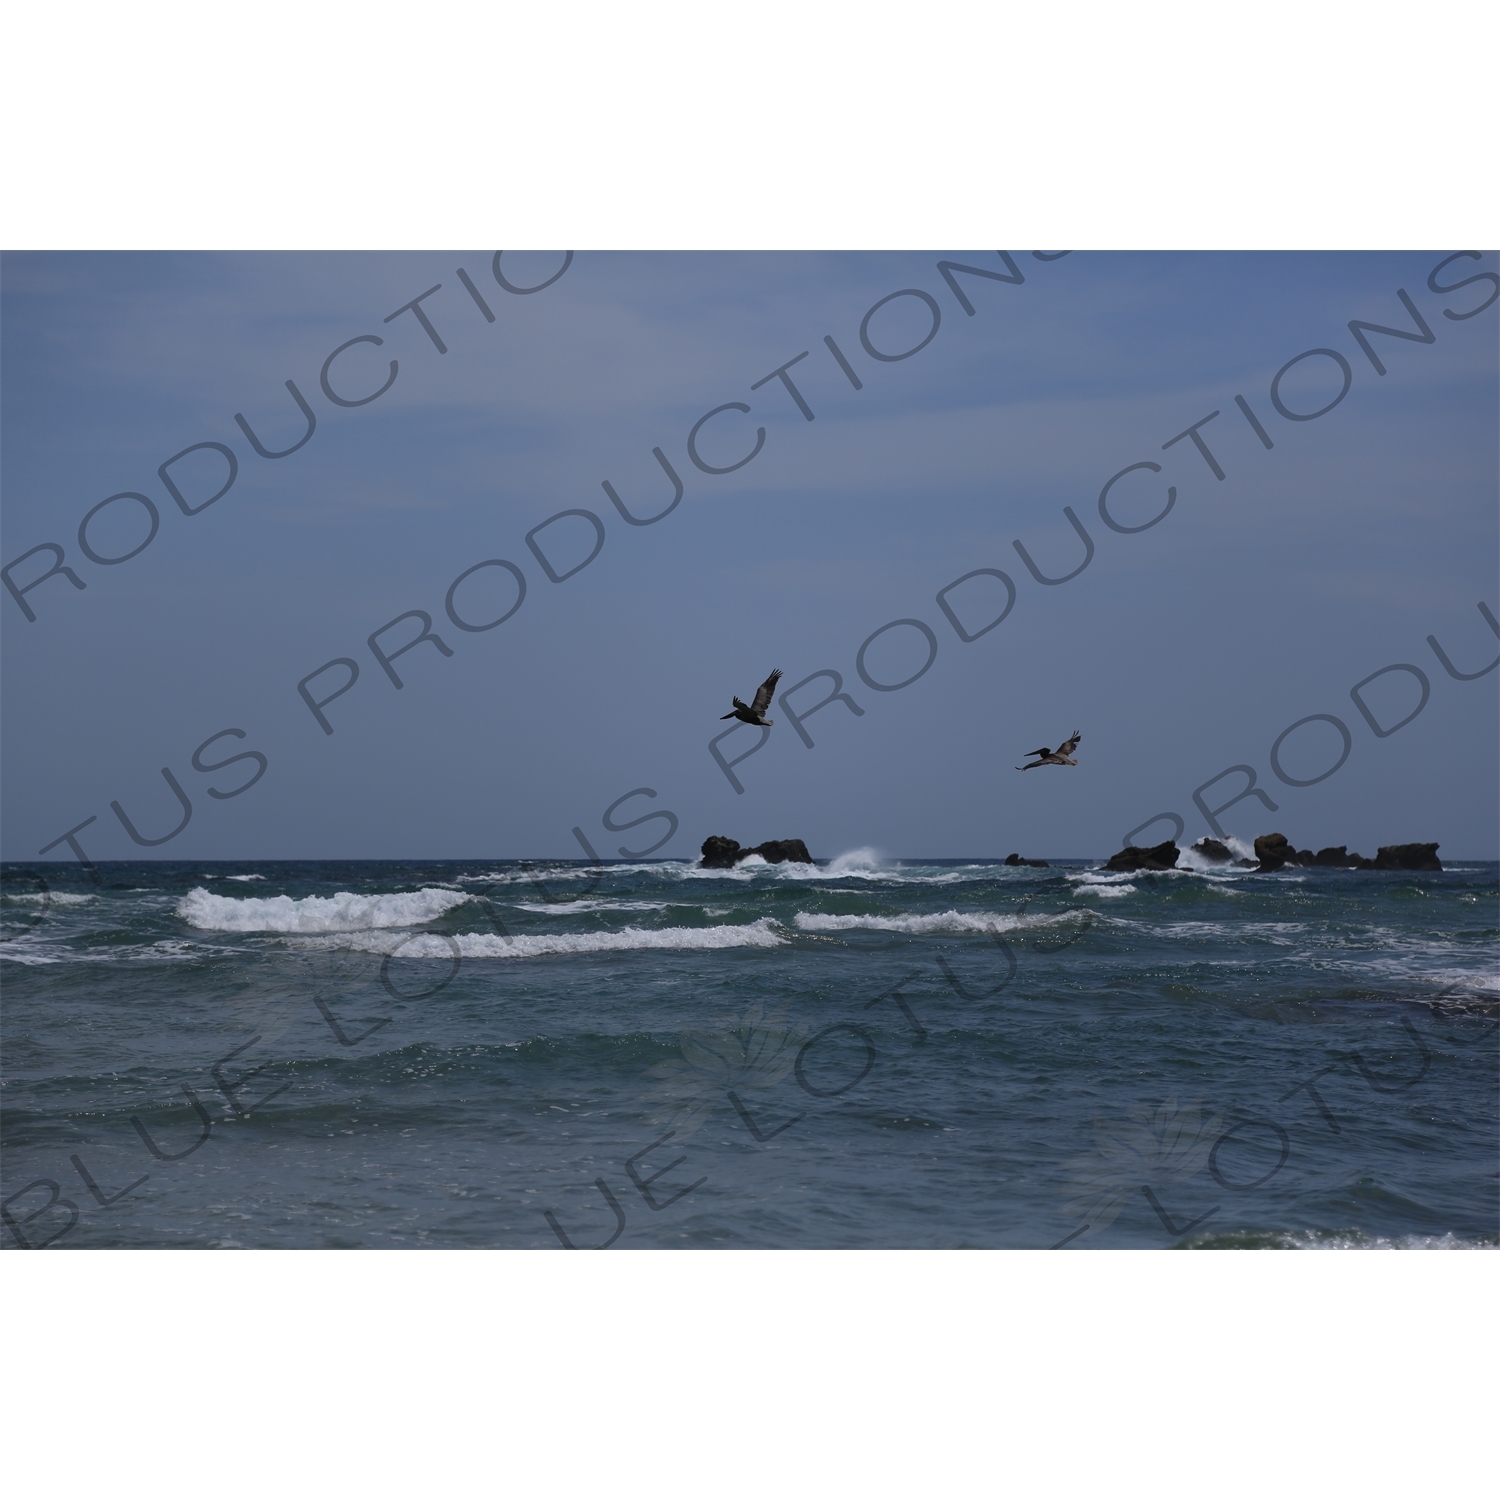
761	934
343	912
945	921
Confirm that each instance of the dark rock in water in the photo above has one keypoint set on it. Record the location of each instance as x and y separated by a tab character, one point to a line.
1273	851
724	854
1162	857
1015	859
1214	850
721	853
1335	858
1407	857
780	851
1338	857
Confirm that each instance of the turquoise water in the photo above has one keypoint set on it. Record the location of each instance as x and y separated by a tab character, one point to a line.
862	1053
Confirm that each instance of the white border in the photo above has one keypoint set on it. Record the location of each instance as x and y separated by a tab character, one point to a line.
808	125
749	1373
792	124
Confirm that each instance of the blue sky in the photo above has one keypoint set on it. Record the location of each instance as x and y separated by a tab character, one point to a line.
1179	651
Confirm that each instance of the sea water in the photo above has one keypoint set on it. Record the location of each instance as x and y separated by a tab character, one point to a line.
864	1052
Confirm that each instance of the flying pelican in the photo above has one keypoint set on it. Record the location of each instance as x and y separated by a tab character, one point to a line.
755	713
1062	756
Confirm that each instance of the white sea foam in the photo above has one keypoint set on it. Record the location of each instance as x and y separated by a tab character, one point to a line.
23	949
868	864
1357	1240
244	877
670	870
1272	932
1427	966
55	898
344	912
743	871
34	952
856	864
761	934
946	921
572	908
1233	929
1198	864
856	861
755	867
1098	881
1101	883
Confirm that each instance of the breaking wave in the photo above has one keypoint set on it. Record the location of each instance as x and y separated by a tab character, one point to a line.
867	864
760	934
343	912
855	864
1347	1239
946	921
573	908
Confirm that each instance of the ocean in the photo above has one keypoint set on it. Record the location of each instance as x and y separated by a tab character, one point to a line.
865	1052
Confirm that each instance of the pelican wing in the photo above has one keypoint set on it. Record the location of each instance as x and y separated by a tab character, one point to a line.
1069	746
764	693
743	707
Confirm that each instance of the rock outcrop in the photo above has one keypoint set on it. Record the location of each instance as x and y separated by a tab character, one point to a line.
1336	857
1162	857
719	853
1273	851
782	851
1214	850
1407	857
1015	859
